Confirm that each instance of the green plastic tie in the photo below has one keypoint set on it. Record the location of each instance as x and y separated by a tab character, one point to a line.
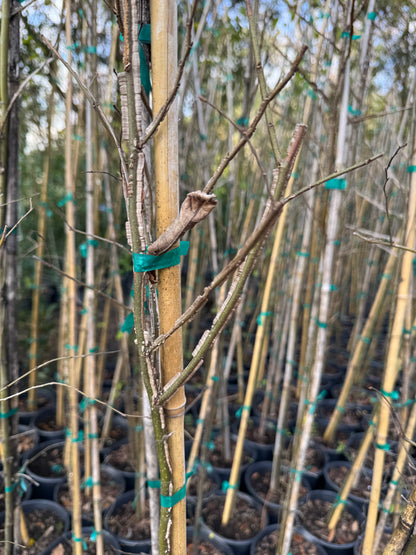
215	378
84	543
86	402
383	446
406	331
354	112
391	395
295	175
340	501
128	323
67	198
93	436
340	409
394	482
168	501
371	16
83	248
261	316
90	49
386	276
321	324
302	253
94	534
226	485
71	347
144	38
154	484
148	262
83	311
9	413
297	473
366	340
312	94
77	137
93	350
240	410
411	169
337	183
200	421
243	122
333	287
73	47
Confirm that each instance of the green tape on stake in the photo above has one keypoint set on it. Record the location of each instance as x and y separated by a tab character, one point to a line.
243	122
411	169
261	316
128	323
371	16
336	183
148	262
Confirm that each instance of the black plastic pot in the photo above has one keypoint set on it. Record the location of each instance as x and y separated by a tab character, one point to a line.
105	453
272	528
87	531
264	451
26	432
126	544
45	416
262	467
224	472
37	458
239	547
331	497
61	515
108	475
46	397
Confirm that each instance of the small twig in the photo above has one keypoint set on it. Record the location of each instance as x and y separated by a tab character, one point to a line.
18	10
97	291
19	91
332	176
252	127
374	241
359	119
94	103
241	130
157	120
57	359
386	172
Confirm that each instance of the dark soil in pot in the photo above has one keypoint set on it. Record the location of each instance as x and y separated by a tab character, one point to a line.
210	482
385	538
122	520
46	521
112	485
27	438
205	545
244	524
261	484
216	454
119	457
314	512
266	542
336	473
119	430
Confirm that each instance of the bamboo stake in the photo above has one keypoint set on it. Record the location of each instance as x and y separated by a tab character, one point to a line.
70	268
34	325
391	368
361	349
284	184
164	67
323	317
90	304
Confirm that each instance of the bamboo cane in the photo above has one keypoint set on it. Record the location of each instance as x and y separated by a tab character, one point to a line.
164	62
361	348
70	268
34	325
391	368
